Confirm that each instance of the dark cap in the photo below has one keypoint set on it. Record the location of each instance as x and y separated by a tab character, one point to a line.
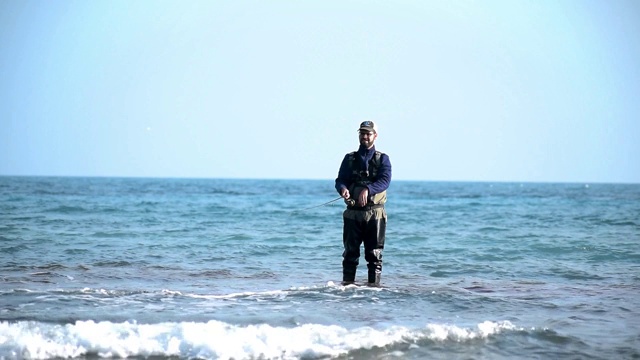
369	126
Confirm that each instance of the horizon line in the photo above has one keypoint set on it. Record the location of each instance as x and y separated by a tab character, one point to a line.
319	179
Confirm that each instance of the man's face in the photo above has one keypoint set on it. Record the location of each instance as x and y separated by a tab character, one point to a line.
367	138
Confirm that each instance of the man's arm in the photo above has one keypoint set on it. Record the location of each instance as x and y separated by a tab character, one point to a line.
384	176
344	177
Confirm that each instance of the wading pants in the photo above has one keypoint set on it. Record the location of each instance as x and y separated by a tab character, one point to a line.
366	226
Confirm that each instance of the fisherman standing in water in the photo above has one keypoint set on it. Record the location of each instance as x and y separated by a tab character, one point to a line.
362	181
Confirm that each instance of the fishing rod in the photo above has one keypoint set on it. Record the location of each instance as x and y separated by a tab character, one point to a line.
349	201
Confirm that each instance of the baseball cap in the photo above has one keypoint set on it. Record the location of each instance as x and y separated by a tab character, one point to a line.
368	125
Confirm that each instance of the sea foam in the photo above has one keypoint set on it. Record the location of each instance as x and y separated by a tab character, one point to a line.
215	339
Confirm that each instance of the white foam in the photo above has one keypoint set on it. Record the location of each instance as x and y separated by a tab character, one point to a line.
483	330
238	295
171	292
331	284
213	339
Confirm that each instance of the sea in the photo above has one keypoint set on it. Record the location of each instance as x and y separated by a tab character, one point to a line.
165	268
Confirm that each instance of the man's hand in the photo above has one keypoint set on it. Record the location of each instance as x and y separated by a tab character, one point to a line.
363	199
345	193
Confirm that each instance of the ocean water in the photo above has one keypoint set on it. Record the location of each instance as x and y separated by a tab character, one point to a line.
250	269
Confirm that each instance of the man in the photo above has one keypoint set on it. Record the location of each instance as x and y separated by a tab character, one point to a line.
362	181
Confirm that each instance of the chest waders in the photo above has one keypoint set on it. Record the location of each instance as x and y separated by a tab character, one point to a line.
364	225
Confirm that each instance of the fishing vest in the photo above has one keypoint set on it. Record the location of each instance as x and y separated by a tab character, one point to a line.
360	177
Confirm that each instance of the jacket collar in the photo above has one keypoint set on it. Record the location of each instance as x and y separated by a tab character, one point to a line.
364	151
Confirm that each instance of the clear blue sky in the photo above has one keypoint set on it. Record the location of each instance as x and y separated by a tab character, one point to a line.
508	90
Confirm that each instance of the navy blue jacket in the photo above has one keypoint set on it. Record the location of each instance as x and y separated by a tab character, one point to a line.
380	184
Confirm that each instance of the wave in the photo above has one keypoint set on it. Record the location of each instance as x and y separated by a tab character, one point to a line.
220	340
302	292
13	266
64	209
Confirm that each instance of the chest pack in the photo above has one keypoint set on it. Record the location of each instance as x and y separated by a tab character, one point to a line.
361	175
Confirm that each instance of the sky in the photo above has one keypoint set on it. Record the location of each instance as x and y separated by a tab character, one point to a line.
513	90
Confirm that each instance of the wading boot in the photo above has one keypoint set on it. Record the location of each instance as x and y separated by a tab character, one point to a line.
374	277
348	277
